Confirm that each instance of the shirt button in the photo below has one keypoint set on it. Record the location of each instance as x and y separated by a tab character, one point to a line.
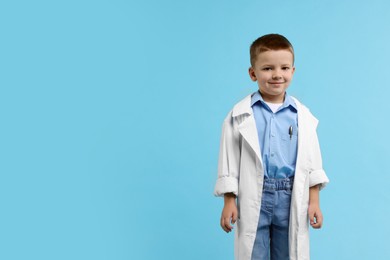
272	154
273	135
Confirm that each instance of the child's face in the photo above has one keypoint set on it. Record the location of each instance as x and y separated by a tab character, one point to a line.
273	72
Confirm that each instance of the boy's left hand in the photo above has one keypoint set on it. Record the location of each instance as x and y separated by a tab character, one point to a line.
315	216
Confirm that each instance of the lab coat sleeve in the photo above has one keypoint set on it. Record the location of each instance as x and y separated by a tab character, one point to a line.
229	159
317	173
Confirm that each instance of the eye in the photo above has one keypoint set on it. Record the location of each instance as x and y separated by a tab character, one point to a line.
285	68
267	68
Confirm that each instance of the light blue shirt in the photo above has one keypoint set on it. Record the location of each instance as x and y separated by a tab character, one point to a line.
277	144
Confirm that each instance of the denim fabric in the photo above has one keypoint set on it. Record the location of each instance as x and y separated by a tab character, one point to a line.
272	231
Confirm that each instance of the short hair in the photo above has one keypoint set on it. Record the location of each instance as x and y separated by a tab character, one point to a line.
269	42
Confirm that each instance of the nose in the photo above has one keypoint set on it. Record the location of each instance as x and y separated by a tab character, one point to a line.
276	74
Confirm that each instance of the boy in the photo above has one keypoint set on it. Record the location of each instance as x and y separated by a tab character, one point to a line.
269	165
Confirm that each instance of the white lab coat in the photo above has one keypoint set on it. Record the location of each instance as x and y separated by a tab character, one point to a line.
240	171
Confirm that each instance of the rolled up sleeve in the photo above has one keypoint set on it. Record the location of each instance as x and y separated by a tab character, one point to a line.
317	173
229	159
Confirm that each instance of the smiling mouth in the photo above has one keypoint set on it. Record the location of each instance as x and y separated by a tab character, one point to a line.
276	83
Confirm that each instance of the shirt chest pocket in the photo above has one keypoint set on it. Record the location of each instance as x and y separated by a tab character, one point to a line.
288	148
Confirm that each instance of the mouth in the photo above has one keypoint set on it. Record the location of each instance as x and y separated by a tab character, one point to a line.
276	83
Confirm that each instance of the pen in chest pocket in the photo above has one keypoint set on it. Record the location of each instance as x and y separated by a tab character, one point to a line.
290	131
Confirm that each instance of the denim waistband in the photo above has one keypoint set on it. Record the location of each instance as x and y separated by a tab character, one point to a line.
278	184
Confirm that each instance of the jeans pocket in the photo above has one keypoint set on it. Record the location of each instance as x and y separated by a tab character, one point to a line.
285	198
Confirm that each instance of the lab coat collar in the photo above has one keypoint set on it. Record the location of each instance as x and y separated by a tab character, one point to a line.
243	107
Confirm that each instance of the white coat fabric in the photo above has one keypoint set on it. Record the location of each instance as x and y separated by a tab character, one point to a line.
240	171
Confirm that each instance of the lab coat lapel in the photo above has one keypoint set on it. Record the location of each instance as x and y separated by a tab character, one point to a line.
300	169
247	124
248	130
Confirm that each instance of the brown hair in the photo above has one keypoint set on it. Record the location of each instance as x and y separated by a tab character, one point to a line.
269	42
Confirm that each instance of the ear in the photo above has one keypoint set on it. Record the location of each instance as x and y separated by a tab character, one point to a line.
252	74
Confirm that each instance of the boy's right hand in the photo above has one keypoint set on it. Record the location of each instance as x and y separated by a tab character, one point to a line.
229	212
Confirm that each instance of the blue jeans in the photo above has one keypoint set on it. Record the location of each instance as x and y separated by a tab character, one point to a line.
272	231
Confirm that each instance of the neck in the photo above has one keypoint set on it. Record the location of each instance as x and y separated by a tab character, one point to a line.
273	99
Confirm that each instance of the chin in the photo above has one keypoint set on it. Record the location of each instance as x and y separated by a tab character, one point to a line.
277	93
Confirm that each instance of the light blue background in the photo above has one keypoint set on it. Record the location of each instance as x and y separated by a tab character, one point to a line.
111	114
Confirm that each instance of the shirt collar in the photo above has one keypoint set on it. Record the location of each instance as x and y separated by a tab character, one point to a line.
288	101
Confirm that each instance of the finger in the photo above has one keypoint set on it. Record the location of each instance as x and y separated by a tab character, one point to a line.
234	218
311	216
316	225
225	224
319	220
